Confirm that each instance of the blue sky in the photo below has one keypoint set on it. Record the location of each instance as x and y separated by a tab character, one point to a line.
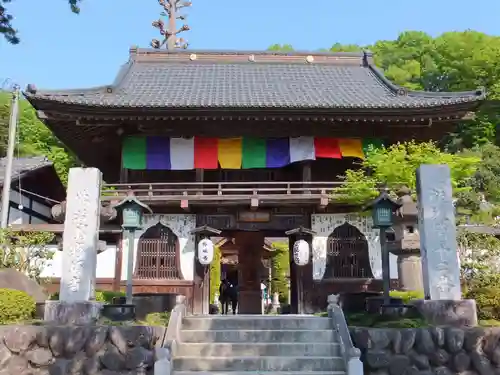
62	50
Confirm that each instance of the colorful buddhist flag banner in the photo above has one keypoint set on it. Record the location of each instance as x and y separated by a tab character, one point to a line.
164	153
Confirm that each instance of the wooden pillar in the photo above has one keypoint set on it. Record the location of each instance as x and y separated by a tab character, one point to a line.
199	178
249	264
306	174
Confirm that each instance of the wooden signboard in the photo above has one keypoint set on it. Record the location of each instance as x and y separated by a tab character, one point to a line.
254	217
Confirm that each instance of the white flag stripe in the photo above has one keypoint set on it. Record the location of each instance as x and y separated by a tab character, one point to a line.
181	153
302	148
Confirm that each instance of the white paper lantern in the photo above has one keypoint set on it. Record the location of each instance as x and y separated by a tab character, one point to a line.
205	251
301	252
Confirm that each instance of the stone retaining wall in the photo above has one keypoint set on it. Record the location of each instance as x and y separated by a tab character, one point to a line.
429	351
86	350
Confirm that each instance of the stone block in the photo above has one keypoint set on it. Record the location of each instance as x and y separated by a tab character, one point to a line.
85	350
433	350
61	312
460	313
438	244
13	279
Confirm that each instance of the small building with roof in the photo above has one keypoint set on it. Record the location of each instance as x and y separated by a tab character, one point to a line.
35	188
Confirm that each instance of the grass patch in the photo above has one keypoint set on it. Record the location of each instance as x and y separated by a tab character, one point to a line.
377	321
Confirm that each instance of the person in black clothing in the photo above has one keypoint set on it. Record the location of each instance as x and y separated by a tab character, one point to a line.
233	297
228	294
224	295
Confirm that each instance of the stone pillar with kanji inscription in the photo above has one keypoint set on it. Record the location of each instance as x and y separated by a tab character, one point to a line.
438	243
80	241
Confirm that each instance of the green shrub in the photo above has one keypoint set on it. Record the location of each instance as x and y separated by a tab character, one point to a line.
54	296
363	319
107	296
401	323
157	319
15	306
407	296
104	296
487	301
489	323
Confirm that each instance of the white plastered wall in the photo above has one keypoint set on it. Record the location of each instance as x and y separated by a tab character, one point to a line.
325	224
181	225
106	262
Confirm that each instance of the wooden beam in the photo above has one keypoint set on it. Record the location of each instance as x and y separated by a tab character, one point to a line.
59	228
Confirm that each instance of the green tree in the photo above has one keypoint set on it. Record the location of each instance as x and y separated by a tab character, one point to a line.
34	138
6	27
215	274
453	61
396	165
281	48
25	252
280	270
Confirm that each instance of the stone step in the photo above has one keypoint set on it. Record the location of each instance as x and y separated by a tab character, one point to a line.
254	322
258	373
259	336
258	349
304	364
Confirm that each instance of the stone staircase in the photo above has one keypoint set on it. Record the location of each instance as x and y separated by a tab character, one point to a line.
254	344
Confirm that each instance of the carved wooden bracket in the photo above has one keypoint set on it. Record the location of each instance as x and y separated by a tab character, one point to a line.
300	231
206	231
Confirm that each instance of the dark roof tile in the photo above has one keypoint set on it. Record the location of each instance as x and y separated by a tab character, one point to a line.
215	80
21	166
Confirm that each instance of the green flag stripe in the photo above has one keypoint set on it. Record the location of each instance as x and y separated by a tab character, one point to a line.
134	153
254	153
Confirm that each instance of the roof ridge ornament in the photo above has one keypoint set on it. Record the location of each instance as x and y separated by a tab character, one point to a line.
169	34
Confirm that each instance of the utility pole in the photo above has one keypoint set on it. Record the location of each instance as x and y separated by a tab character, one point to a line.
170	40
14	109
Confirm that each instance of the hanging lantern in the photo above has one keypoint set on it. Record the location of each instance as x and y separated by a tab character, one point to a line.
301	252
205	251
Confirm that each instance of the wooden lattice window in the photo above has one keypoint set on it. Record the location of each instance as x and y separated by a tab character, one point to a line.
158	255
347	254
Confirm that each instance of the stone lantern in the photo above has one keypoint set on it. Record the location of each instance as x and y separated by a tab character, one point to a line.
406	242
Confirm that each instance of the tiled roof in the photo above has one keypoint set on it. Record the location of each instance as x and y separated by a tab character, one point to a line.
22	166
245	80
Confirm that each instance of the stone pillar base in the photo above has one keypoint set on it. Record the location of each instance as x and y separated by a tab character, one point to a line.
60	312
250	302
448	312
